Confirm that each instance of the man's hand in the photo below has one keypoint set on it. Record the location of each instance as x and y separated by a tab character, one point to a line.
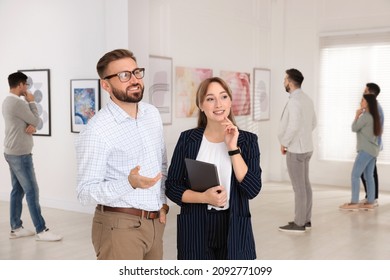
138	181
29	96
30	129
163	213
283	149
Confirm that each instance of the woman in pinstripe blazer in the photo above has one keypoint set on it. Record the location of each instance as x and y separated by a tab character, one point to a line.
216	224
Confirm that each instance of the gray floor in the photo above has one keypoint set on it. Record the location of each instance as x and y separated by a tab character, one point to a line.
336	235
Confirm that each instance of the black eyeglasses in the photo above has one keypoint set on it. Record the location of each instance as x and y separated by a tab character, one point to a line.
125	76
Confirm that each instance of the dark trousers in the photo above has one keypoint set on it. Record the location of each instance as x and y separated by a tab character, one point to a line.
217	232
375	180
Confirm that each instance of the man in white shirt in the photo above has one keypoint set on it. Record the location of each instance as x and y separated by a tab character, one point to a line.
295	136
122	165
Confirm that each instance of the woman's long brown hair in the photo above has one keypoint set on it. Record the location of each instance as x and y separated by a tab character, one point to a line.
201	94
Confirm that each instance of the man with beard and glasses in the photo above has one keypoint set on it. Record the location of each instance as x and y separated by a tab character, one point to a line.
122	166
295	136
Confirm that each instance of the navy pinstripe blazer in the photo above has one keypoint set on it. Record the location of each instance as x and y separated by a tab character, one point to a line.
191	222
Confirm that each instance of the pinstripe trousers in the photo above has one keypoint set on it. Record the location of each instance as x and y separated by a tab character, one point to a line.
217	233
298	170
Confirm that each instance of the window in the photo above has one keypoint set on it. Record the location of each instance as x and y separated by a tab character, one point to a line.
347	63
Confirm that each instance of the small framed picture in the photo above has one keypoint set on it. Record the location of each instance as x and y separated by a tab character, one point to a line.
39	85
160	91
84	102
261	94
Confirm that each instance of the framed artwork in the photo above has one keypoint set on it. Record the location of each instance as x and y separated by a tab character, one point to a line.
187	82
261	94
239	83
160	91
39	85
84	102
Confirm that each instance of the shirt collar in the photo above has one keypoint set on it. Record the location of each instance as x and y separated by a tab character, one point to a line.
13	95
295	92
120	115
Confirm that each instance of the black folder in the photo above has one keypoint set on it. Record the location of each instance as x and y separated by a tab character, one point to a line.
201	175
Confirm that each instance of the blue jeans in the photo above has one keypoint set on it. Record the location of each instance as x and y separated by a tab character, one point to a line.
24	183
364	164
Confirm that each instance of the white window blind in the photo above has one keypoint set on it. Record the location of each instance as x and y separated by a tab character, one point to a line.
347	63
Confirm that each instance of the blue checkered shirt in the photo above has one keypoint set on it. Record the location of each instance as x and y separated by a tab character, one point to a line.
112	144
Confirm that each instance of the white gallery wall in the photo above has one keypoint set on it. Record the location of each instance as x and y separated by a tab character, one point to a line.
68	37
222	35
304	21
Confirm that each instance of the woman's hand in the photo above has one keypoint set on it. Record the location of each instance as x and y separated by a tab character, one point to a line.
231	134
359	112
216	196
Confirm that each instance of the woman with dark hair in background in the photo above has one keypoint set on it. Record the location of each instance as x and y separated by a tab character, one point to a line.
368	128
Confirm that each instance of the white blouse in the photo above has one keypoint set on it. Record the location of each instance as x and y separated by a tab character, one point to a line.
217	154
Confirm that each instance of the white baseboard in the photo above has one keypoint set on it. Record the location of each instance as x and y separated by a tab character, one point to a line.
57	204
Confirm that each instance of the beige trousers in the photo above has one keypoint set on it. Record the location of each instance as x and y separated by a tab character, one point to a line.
119	236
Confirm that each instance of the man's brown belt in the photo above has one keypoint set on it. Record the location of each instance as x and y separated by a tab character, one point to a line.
131	211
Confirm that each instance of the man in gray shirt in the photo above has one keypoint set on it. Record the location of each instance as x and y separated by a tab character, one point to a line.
21	118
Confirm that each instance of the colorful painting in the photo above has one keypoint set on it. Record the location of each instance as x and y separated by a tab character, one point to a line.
187	82
85	95
240	85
